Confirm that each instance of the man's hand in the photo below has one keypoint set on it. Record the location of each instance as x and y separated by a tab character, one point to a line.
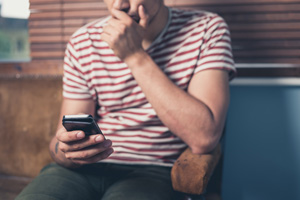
81	149
123	34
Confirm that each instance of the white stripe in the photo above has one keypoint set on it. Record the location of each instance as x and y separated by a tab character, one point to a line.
158	149
76	96
214	59
149	162
141	139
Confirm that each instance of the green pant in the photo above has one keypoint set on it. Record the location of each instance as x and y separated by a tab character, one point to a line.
101	181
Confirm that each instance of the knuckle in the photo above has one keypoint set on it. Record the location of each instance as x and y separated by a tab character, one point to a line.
68	156
83	155
76	147
58	134
62	147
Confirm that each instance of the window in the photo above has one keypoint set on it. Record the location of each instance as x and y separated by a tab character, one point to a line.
14	37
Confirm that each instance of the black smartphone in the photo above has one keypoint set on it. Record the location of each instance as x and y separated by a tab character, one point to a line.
85	123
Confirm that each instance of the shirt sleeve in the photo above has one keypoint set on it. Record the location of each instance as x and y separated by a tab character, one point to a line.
74	83
216	53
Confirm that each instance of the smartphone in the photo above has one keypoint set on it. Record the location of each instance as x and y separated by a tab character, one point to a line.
85	123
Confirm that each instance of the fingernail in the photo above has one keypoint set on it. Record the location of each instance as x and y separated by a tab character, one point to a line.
98	139
107	143
80	135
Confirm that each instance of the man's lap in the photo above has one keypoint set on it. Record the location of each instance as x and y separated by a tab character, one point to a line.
111	181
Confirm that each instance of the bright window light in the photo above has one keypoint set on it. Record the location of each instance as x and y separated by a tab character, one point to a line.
15	8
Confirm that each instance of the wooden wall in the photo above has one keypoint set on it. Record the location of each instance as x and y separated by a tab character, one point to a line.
263	31
52	22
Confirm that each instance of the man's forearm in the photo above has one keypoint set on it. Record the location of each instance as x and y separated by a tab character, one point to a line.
186	116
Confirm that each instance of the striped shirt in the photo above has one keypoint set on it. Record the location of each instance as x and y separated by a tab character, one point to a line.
192	41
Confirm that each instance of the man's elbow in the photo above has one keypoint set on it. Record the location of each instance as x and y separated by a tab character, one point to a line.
205	145
202	149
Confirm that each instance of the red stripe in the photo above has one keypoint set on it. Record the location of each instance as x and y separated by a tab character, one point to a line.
131	103
129	88
131	159
181	78
170	37
217	54
150	121
82	41
78	35
114	84
71	55
72	76
77	98
72	67
218	36
71	80
148	143
173	72
121	98
71	86
217	61
182	61
219	22
162	63
99	69
173	44
81	93
130	112
107	76
146	150
100	61
93	46
140	129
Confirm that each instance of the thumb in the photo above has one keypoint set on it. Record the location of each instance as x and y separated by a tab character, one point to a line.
144	17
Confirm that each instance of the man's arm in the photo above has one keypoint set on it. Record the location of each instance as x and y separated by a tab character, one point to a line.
196	116
72	149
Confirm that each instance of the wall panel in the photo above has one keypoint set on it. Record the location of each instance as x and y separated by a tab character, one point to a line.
263	31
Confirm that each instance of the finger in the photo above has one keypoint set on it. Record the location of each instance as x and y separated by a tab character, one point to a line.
144	17
84	143
69	136
112	27
118	4
114	24
90	157
95	158
106	38
89	152
120	15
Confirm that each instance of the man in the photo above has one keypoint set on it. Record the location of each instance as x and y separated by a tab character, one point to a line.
157	79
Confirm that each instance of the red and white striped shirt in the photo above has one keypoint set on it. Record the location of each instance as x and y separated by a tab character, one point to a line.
191	42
